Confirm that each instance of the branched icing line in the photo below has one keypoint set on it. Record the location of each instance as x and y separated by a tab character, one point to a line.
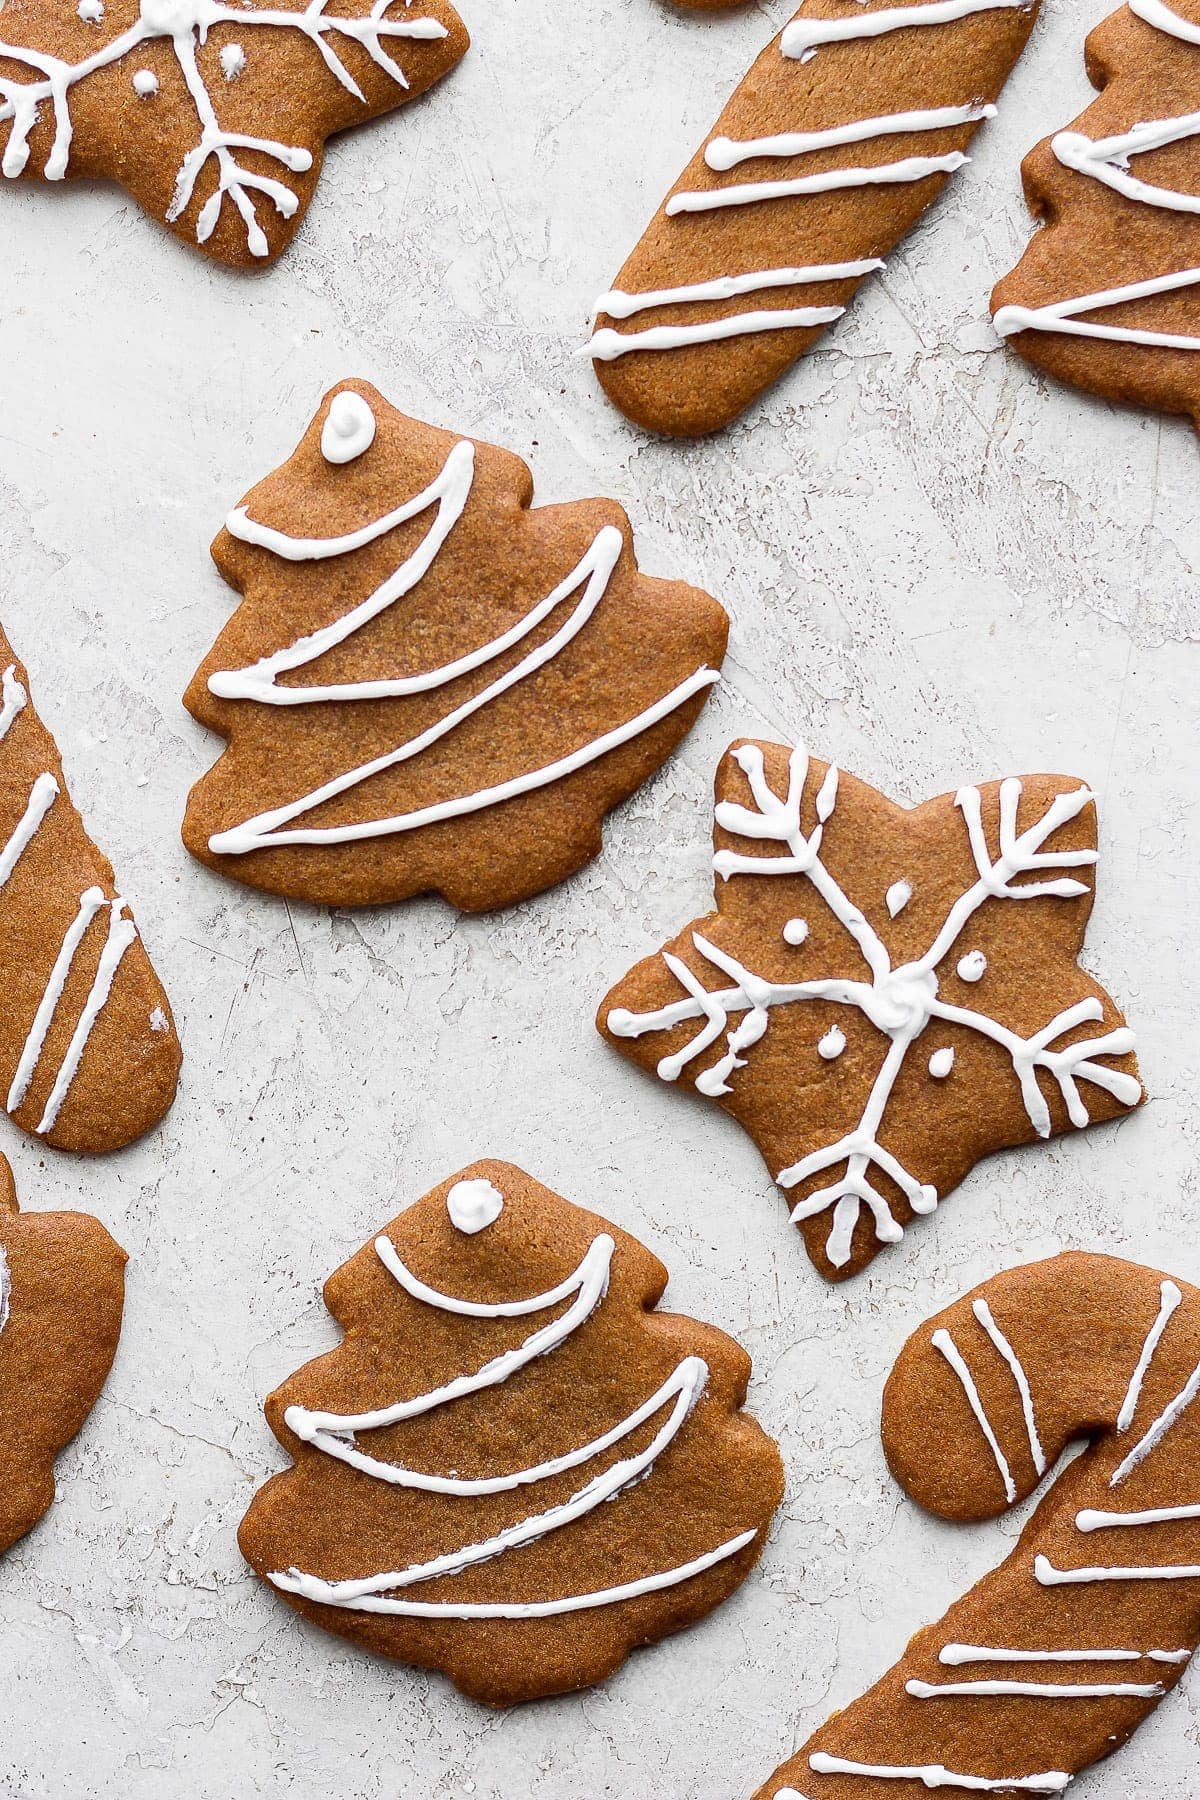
186	24
899	1002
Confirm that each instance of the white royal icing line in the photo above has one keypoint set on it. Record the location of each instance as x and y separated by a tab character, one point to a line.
722	153
474	1205
449	492
42	796
749	193
334	1435
1036	1690
804	35
5	1288
183	24
13	700
607	345
1170	1300
899	1001
1158	1431
934	1775
1090	1520
1107	160
349	428
941	1340
955	1655
983	1313
121	934
1046	1573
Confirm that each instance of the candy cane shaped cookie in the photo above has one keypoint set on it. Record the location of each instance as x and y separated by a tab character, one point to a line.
1052	1660
845	129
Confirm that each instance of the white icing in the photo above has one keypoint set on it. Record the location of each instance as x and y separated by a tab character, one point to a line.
805	34
335	1434
13	700
349	428
795	931
749	193
607	345
934	1775
983	1313
1170	1300
42	796
232	60
899	1001
1037	1690
90	11
1107	160
449	493
955	1655
1049	1576
1158	1431
1090	1520
723	153
145	84
941	1340
121	933
898	897
184	24
941	1063
159	1020
473	1205
972	966
832	1044
5	1288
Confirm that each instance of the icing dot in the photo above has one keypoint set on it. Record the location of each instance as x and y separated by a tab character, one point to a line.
473	1204
233	61
972	965
90	11
145	84
832	1044
898	897
941	1063
349	428
795	931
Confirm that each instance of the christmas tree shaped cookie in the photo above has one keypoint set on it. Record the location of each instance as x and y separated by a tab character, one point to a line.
513	1469
62	1287
89	1059
428	685
1108	293
884	996
1053	1660
214	117
844	131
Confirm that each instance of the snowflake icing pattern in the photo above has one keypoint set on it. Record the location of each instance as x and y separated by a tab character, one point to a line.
899	1002
185	25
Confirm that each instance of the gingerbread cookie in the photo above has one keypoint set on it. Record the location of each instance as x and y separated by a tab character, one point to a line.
214	117
89	1059
1053	1660
1108	293
513	1469
846	128
884	995
429	686
62	1288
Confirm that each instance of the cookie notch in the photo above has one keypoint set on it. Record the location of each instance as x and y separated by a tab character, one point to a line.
1105	296
1051	1661
185	101
431	685
89	1057
845	130
867	1001
568	1476
62	1287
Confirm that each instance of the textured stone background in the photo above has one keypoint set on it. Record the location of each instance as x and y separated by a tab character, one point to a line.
937	566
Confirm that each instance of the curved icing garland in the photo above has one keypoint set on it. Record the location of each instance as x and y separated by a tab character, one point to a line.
121	934
335	1434
799	42
448	495
899	1002
185	24
1107	160
1049	1688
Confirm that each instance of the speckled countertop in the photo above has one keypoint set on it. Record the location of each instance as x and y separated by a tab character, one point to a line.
938	567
